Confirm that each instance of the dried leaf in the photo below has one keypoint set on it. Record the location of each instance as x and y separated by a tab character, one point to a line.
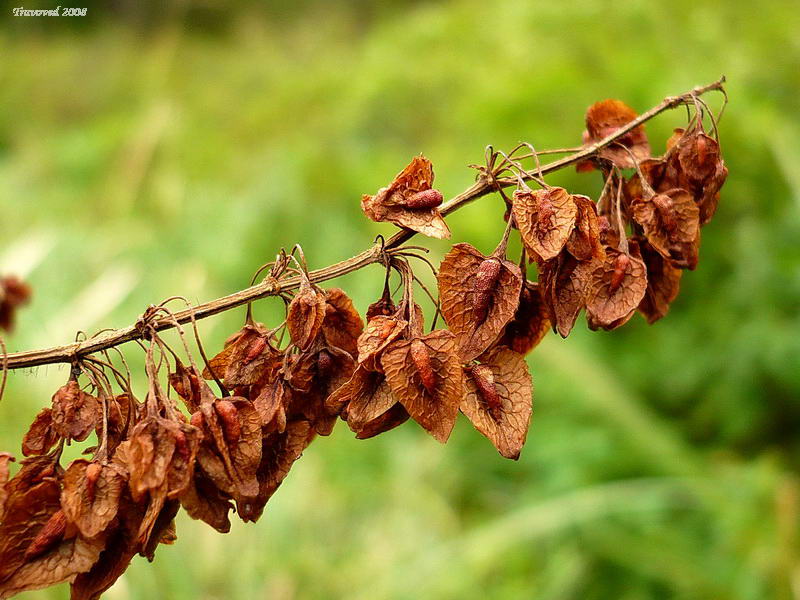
342	324
434	406
618	285
498	399
475	319
409	201
530	323
545	219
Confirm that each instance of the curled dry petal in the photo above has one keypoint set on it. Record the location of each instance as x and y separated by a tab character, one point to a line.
545	219
463	298
409	201
618	286
530	323
435	405
498	399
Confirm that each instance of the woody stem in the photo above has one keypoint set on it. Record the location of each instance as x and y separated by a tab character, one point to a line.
372	255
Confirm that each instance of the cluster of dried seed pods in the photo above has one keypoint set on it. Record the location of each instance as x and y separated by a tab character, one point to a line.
230	450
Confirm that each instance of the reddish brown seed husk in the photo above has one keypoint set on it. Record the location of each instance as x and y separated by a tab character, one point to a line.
51	534
92	475
422	361
254	349
484	381
424	199
620	266
229	417
483	286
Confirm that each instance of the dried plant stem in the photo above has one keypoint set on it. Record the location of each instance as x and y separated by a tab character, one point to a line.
374	254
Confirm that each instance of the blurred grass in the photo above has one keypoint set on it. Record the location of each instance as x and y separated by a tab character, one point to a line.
157	150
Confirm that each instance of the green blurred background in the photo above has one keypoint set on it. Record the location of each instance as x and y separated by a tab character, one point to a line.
171	148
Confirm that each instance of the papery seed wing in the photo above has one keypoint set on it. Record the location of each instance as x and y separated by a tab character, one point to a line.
507	426
436	407
476	327
545	219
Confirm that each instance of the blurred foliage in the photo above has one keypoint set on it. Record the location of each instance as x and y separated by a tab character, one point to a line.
155	149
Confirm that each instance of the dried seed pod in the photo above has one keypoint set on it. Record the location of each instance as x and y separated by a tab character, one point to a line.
424	199
279	452
91	495
671	224
49	535
433	405
618	286
530	323
229	419
484	382
342	324
378	334
498	399
663	284
545	219
362	399
483	286
422	362
394	417
41	436
584	241
459	285
305	315
75	413
606	117
13	294
566	283
409	201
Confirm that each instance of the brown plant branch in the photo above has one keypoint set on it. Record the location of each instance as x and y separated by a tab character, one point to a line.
375	254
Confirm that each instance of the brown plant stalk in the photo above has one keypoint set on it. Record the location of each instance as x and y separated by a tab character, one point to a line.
372	255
